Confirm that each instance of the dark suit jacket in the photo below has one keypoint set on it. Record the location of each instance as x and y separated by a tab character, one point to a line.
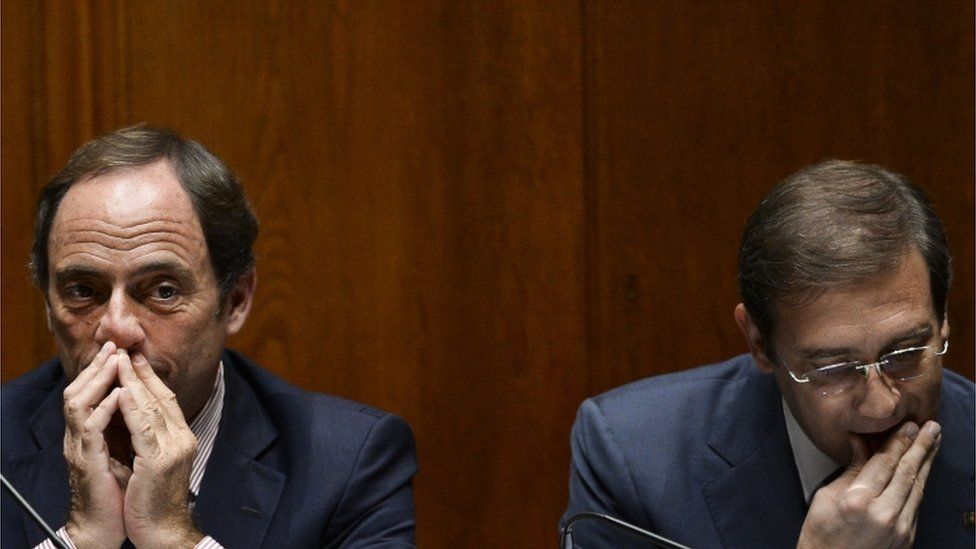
703	457
289	468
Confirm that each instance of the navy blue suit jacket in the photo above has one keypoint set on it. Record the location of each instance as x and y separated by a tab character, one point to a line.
289	468
703	457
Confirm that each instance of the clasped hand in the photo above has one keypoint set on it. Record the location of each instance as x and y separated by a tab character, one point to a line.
875	501
110	501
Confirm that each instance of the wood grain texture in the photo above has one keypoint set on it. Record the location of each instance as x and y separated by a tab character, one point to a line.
476	214
22	319
694	111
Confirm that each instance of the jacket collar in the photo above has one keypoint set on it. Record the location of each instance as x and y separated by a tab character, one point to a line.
756	500
241	487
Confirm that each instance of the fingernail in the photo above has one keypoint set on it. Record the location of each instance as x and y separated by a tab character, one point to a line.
934	429
911	430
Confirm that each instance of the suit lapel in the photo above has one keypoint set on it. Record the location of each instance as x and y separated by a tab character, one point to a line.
239	494
755	500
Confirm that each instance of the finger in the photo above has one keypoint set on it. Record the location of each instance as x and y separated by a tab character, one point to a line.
859	456
97	386
918	489
144	422
879	468
79	406
102	414
147	409
910	475
137	388
163	395
93	437
86	374
908	518
107	350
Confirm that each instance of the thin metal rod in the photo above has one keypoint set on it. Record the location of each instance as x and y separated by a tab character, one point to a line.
37	518
567	530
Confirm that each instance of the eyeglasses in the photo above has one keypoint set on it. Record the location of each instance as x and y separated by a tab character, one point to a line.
901	365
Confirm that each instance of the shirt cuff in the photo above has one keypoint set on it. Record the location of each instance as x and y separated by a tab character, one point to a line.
208	543
63	534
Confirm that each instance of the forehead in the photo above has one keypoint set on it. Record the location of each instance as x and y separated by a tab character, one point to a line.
862	315
150	191
124	215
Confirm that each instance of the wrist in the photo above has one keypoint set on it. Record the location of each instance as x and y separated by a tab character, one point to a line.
81	537
184	534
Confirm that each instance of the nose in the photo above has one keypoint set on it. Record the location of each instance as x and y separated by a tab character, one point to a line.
881	396
119	324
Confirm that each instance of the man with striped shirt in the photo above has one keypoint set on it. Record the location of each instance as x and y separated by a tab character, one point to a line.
147	431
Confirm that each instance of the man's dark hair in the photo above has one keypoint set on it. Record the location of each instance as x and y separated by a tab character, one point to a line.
229	225
832	223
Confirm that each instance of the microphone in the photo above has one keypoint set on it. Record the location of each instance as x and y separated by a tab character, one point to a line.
652	539
33	514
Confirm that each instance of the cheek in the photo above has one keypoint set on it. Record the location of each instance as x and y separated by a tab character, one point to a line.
830	420
75	338
73	330
926	397
825	416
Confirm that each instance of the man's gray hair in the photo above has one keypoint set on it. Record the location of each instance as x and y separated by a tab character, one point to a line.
229	225
833	223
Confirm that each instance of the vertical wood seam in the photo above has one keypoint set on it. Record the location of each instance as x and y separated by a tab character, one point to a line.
591	240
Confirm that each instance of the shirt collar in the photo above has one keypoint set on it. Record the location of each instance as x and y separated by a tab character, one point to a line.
813	465
204	427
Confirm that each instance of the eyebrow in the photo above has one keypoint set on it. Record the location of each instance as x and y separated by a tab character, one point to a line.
178	269
918	332
74	272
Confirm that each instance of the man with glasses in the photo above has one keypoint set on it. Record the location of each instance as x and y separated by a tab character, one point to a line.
840	428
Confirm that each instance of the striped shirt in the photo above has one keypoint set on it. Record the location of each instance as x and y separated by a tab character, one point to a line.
204	427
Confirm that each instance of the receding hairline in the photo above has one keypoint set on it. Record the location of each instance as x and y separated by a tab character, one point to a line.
804	296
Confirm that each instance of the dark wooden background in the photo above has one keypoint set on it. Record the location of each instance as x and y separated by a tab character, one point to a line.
475	214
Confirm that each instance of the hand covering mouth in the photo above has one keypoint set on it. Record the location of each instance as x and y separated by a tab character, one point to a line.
877	439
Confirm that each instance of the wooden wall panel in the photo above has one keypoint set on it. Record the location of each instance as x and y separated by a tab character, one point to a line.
476	214
417	171
695	110
21	305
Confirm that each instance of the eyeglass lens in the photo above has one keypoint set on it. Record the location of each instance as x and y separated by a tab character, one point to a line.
902	365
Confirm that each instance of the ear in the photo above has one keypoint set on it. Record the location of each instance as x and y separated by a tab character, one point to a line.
753	338
238	301
945	327
47	313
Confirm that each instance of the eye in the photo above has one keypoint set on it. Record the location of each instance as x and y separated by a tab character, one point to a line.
905	357
164	292
836	370
77	292
80	291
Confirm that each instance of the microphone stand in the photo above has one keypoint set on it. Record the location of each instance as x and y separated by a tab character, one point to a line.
566	537
33	514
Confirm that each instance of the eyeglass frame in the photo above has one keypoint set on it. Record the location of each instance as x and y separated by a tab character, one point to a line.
864	368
